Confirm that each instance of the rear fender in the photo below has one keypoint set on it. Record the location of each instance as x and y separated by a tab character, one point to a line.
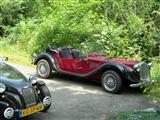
46	56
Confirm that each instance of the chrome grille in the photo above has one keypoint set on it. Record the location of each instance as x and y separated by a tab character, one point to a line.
144	71
29	96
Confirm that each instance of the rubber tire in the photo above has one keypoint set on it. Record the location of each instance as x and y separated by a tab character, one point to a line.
49	71
118	81
45	92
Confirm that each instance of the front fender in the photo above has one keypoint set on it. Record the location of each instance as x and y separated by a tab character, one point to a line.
44	91
3	105
46	56
114	66
14	100
40	83
123	71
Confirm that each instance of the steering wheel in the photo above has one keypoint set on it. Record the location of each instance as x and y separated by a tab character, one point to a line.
52	49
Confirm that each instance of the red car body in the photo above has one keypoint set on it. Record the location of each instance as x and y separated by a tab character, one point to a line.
95	66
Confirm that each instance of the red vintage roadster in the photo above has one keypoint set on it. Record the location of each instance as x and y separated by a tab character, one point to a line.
113	73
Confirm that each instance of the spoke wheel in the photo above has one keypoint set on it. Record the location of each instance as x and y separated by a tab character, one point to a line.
43	69
111	81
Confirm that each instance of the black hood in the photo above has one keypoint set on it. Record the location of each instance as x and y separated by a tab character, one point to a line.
17	84
12	77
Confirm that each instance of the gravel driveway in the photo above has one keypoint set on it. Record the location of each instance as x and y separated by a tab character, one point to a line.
78	99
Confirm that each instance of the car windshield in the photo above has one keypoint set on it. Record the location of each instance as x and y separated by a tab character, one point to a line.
10	73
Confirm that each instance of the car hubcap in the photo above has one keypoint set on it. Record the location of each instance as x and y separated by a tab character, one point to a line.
47	101
42	69
8	113
109	82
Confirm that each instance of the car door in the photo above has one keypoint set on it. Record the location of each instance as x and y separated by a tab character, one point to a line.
68	60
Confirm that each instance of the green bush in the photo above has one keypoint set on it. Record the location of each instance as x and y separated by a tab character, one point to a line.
156	71
122	28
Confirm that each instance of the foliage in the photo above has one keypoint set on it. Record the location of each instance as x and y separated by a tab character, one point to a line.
122	28
156	72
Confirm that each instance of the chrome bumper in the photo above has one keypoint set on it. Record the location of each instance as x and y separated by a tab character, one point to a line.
142	84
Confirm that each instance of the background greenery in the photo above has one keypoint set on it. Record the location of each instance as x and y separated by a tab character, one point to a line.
125	28
121	28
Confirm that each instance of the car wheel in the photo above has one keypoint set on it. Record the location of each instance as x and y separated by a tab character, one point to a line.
46	98
111	81
43	69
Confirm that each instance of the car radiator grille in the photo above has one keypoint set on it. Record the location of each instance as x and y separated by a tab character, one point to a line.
144	71
29	96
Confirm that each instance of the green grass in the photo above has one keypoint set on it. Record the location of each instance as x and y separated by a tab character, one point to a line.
150	114
153	92
16	55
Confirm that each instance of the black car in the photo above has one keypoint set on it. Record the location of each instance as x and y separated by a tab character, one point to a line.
19	96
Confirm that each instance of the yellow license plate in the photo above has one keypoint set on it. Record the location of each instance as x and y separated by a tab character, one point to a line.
31	110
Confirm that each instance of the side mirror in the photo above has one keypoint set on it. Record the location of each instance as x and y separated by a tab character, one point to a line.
32	79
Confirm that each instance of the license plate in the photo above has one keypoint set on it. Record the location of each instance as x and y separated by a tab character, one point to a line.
31	110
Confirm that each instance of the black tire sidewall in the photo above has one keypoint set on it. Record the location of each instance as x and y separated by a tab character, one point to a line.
118	81
46	63
45	92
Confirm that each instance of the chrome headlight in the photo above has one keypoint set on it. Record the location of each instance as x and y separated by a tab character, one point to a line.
2	87
150	65
137	66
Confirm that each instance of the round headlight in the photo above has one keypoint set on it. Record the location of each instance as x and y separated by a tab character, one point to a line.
2	88
128	68
137	66
32	79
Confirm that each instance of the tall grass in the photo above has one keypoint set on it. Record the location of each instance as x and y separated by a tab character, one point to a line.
15	54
